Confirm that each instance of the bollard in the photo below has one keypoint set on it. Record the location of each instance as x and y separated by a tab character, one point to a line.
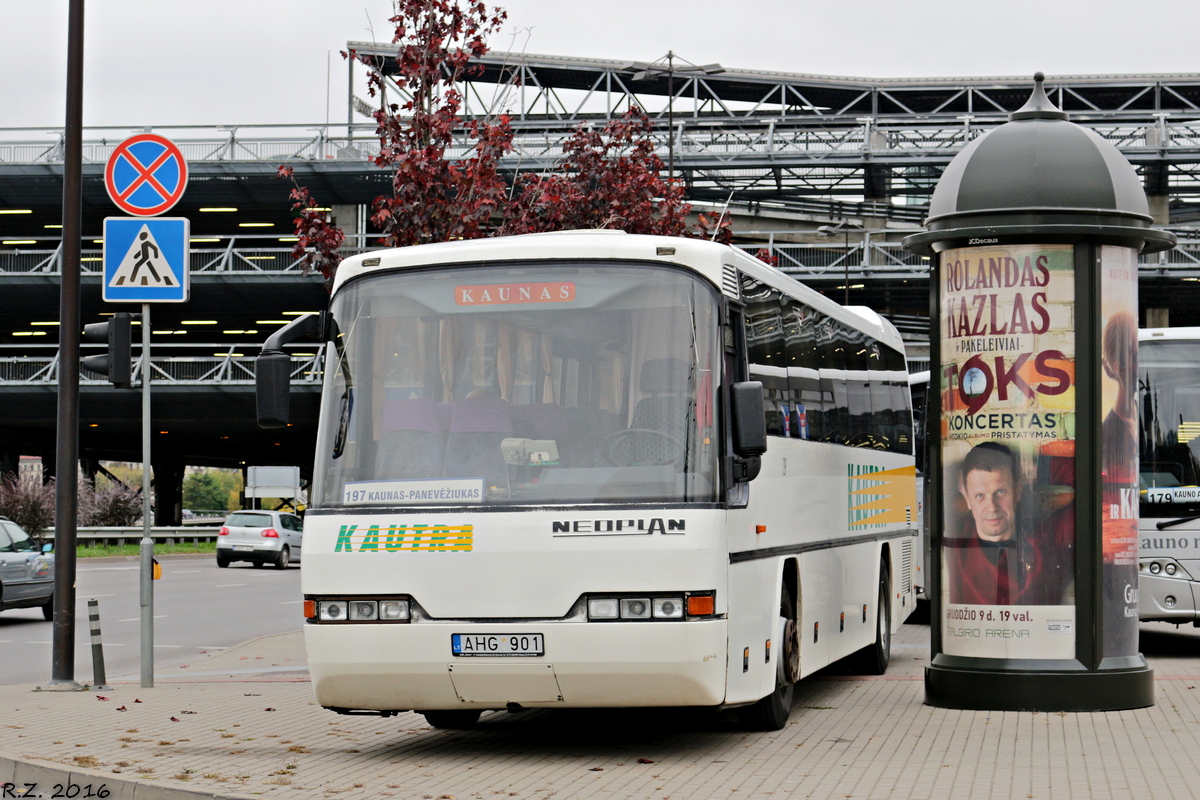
98	677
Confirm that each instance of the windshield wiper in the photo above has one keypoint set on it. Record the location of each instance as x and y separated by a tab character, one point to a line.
1168	523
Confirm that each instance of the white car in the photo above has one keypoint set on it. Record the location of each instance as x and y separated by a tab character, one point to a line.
26	573
260	537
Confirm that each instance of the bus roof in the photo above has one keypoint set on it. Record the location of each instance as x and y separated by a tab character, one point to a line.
1150	334
709	259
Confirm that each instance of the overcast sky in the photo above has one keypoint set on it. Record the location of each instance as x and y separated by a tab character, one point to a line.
163	62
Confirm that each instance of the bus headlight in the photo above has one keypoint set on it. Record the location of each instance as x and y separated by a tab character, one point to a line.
635	608
344	609
665	607
603	608
668	608
1155	567
393	609
331	610
1170	569
361	610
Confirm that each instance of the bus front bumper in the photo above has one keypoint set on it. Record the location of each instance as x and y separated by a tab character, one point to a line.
586	665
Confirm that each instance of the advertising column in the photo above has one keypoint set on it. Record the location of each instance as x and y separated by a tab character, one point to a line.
1007	382
1119	451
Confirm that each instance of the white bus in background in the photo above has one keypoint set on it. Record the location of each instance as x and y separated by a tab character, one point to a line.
592	469
1169	536
918	386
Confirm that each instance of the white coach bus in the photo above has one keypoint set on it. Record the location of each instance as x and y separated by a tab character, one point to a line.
592	469
1169	423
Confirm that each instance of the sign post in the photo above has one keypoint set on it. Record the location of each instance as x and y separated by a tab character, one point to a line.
146	261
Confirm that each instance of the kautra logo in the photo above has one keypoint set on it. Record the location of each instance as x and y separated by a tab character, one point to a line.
405	539
892	496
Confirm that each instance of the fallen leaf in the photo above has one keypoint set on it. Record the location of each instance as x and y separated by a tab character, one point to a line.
101	697
122	708
174	719
645	761
187	712
136	700
596	769
255	694
268	709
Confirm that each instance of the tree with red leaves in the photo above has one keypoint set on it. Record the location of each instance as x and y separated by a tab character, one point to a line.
609	178
435	198
317	238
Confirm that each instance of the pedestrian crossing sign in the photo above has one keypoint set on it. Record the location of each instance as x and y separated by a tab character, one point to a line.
146	260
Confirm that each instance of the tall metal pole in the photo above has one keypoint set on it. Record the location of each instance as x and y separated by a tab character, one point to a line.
349	99
66	495
146	548
671	116
846	233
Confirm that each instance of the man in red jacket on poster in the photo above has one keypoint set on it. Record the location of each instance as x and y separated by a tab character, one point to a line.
994	561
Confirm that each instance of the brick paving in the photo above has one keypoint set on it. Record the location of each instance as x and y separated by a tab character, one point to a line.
242	723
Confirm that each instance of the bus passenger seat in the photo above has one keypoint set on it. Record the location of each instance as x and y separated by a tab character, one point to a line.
477	426
542	421
411	444
666	410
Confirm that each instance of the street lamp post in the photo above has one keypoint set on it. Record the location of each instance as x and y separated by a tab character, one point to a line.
656	69
844	227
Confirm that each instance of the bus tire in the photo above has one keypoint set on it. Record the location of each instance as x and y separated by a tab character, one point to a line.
875	657
771	712
452	719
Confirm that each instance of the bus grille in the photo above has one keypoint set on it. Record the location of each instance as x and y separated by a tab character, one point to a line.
906	561
729	282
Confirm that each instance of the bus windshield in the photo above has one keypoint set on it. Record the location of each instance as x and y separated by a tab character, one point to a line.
521	384
1169	393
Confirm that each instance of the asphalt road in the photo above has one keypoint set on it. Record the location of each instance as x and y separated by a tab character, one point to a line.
197	607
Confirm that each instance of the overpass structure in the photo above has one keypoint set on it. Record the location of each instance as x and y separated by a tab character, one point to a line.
763	136
786	152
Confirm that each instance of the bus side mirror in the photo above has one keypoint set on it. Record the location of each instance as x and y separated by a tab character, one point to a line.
749	429
273	370
273	385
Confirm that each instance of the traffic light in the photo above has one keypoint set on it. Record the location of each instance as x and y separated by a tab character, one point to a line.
117	362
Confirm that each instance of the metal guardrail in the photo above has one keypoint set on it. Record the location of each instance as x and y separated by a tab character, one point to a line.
88	536
731	137
234	368
238	255
874	259
867	254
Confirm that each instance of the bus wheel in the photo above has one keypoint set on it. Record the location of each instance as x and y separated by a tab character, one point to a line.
874	658
454	720
771	713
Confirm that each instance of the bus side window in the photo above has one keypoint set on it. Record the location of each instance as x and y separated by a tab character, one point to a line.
897	371
831	350
765	352
803	373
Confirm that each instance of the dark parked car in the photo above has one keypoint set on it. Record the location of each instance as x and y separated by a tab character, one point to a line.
26	572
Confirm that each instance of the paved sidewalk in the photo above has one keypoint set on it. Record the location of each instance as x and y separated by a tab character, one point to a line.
242	723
